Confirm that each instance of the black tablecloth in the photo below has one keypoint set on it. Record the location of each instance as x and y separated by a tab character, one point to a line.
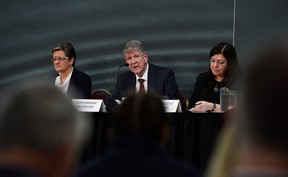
193	136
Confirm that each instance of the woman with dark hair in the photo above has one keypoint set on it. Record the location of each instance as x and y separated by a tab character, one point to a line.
76	84
223	71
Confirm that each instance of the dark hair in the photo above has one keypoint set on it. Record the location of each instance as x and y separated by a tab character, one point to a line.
229	52
68	49
140	115
266	96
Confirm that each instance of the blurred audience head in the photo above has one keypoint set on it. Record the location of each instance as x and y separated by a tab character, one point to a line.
266	97
40	129
141	115
256	143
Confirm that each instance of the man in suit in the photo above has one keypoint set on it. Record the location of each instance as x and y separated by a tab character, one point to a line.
155	79
41	132
76	84
140	132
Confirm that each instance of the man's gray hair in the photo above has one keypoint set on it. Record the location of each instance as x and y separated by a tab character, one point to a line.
134	45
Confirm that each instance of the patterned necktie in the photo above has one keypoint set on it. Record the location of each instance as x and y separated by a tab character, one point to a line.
141	88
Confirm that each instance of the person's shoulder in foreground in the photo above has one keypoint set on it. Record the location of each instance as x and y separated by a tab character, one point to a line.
41	131
140	132
117	163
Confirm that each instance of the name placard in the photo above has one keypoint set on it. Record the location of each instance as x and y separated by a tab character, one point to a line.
88	105
172	105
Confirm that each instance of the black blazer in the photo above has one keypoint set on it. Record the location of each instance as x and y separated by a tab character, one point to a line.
207	90
80	85
161	81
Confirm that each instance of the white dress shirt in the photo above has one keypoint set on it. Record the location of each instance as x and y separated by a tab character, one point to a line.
145	77
65	85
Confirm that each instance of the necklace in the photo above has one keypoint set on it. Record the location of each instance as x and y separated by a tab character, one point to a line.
216	89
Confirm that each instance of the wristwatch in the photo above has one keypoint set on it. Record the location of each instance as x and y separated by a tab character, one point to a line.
213	108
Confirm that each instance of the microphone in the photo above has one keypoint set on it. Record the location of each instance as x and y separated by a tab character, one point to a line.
111	86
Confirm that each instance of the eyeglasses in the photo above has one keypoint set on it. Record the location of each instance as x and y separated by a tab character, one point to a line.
59	59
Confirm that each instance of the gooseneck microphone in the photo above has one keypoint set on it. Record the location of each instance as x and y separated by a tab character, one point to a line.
111	86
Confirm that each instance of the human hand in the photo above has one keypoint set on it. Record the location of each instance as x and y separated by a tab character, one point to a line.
202	106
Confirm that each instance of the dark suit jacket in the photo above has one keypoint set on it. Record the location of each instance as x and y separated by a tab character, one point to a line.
79	86
135	157
161	81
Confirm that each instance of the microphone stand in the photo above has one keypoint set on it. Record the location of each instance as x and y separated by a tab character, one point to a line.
116	75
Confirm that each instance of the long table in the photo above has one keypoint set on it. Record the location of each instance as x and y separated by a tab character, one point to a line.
193	136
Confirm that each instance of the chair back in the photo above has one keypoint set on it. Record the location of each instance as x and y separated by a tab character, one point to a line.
183	102
100	94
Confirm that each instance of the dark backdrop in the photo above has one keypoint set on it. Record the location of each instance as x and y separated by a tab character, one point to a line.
257	21
178	34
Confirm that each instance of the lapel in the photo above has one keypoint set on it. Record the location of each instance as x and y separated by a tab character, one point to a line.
124	86
131	82
151	77
72	80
